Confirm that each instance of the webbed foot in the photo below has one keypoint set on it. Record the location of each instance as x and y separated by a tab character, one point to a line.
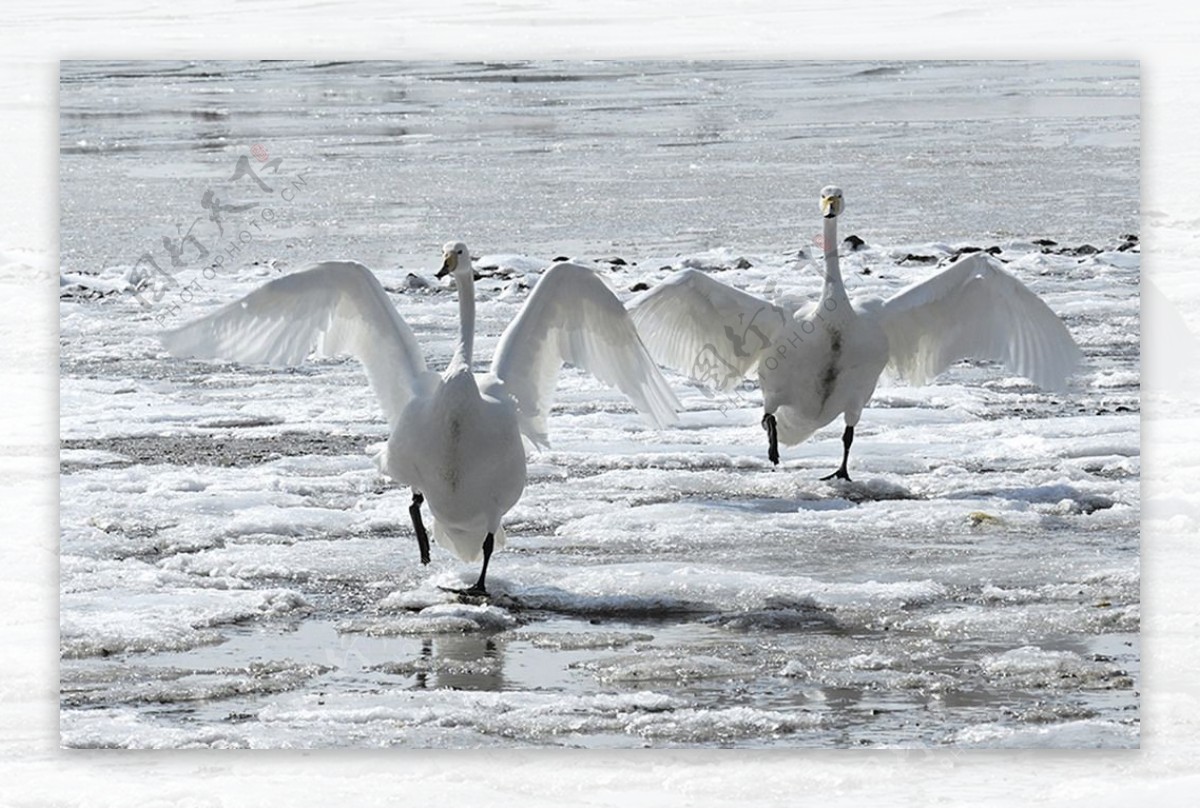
473	594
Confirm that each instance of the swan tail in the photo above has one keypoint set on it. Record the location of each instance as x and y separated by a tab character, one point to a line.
793	428
467	545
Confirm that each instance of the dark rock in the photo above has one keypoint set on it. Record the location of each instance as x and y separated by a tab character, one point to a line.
411	281
79	292
1045	242
1081	250
557	259
640	286
615	260
853	242
918	259
994	250
742	264
494	271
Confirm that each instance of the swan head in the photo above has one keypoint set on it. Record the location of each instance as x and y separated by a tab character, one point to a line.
456	261
831	201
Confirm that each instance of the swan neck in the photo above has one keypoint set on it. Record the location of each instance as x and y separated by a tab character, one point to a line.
464	353
834	288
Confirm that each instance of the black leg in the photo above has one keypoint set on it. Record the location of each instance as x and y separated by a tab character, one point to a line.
414	511
768	423
479	589
847	440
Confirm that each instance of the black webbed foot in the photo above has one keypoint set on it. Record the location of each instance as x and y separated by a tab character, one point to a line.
477	593
847	440
473	594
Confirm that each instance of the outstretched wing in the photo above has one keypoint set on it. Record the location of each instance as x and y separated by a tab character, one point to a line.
337	307
572	316
709	331
976	310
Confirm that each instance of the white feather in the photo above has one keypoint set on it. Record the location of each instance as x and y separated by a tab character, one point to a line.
709	331
332	308
974	309
572	316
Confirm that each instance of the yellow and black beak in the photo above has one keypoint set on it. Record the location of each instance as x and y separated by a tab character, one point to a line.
831	206
449	262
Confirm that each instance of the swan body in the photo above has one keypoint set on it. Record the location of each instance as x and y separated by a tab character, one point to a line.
824	360
460	447
455	437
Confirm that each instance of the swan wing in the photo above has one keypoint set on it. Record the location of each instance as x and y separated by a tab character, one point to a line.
976	310
705	329
572	316
332	308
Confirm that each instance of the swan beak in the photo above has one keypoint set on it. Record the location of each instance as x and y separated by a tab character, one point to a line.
449	262
829	207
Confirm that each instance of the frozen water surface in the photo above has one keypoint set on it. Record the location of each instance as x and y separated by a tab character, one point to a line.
236	573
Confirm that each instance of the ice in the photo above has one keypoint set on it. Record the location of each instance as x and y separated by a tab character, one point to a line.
1070	734
106	623
437	619
236	573
1032	667
642	667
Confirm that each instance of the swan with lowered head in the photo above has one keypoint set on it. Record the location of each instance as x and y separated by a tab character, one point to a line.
824	360
455	437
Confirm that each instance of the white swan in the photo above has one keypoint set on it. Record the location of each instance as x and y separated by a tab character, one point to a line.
825	360
455	437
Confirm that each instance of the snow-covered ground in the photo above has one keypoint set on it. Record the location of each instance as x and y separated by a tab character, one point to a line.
234	572
978	583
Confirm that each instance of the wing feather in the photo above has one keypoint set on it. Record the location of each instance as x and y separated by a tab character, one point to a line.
976	310
706	330
332	308
572	316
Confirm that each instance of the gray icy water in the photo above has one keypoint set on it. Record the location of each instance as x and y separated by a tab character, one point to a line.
599	156
236	574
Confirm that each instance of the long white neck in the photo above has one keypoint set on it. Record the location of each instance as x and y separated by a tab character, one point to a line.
834	288
464	353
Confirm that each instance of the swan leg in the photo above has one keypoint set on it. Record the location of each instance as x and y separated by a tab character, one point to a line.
847	440
478	589
768	424
414	511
